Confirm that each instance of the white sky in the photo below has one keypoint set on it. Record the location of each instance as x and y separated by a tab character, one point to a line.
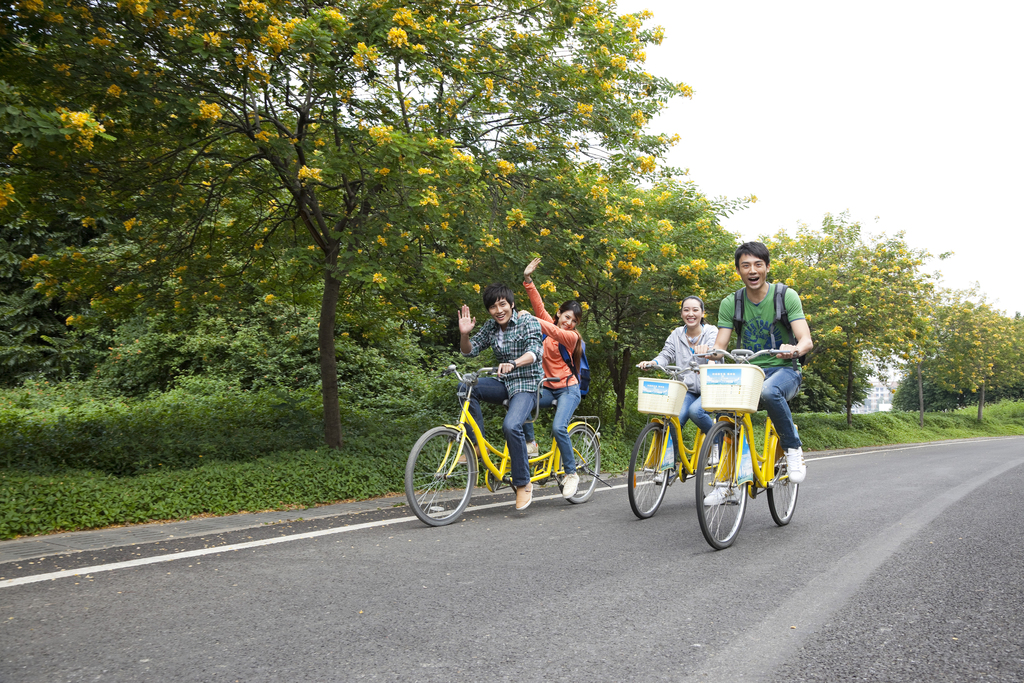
911	112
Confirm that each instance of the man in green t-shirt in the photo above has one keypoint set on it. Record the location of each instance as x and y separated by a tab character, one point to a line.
760	331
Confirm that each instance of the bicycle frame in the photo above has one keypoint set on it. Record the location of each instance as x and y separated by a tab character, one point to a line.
763	462
681	451
468	427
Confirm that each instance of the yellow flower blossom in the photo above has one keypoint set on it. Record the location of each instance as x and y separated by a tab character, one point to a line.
114	91
381	134
6	194
305	173
209	111
379	279
364	55
397	37
403	17
505	167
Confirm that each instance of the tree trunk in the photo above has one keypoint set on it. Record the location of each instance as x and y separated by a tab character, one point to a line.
920	397
981	401
328	361
620	375
849	392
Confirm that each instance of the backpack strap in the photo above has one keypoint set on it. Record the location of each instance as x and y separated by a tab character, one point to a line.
737	314
567	357
782	317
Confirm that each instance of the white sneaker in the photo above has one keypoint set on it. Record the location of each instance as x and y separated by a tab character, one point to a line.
570	484
659	477
795	465
722	493
532	448
713	458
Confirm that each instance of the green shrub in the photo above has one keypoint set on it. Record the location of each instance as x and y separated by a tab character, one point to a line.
35	504
200	419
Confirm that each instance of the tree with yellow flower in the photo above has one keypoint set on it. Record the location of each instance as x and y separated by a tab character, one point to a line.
862	298
248	131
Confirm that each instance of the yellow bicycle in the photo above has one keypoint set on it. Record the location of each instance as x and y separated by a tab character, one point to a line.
729	457
443	464
660	455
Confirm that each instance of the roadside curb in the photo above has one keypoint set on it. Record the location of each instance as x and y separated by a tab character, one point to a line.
62	543
33	547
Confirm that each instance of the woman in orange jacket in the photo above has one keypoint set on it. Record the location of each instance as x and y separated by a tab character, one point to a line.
560	330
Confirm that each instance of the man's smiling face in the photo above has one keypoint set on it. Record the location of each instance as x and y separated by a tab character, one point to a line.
753	271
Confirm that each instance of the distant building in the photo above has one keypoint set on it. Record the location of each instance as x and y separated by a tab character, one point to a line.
878	400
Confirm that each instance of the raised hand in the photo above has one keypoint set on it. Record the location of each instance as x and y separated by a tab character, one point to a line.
528	271
466	321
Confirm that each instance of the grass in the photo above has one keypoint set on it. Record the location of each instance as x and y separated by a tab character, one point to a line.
51	498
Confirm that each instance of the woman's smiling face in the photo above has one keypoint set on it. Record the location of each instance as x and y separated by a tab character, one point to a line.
692	312
567	320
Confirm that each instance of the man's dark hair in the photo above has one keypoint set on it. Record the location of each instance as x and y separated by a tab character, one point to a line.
755	249
495	291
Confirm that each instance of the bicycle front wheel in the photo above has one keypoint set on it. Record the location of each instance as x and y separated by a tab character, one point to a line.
587	450
440	476
720	523
782	494
647	481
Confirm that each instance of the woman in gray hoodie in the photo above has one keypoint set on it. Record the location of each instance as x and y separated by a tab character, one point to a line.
695	336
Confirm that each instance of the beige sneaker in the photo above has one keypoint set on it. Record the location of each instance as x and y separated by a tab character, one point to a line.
532	448
524	496
570	484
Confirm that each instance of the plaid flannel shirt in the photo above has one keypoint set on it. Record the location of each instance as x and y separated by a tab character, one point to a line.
522	334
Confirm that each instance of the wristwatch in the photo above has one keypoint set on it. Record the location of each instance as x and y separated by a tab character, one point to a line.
513	363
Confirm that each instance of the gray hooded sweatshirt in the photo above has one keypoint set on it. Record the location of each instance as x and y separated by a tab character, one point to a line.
678	351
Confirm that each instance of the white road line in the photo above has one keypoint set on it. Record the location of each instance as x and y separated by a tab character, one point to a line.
355	527
70	573
909	448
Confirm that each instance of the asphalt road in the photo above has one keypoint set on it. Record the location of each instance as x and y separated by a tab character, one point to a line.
900	565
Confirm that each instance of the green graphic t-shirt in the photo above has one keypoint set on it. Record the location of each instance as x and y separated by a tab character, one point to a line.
759	323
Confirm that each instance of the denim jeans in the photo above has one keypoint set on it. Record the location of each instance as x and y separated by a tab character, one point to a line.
568	401
692	410
520	407
781	385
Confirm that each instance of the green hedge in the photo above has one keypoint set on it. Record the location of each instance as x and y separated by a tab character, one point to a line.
35	504
237	476
43	430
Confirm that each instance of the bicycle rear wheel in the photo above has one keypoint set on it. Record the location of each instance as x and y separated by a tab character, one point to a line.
587	450
782	494
719	523
645	492
439	478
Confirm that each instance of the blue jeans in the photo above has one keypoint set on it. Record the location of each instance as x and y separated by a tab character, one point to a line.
781	385
568	401
692	411
520	407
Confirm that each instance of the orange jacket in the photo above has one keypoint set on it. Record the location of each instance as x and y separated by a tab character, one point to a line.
554	365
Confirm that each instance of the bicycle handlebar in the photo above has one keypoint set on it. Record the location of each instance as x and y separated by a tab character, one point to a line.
743	355
673	371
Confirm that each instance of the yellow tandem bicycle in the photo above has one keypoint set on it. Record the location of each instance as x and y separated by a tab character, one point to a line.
442	467
729	457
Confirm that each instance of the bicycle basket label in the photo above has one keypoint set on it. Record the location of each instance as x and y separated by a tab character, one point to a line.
724	376
654	388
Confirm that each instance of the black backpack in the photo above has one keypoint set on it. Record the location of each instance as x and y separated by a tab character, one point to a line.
781	316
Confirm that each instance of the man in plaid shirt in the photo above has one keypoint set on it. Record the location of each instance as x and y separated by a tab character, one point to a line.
516	339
